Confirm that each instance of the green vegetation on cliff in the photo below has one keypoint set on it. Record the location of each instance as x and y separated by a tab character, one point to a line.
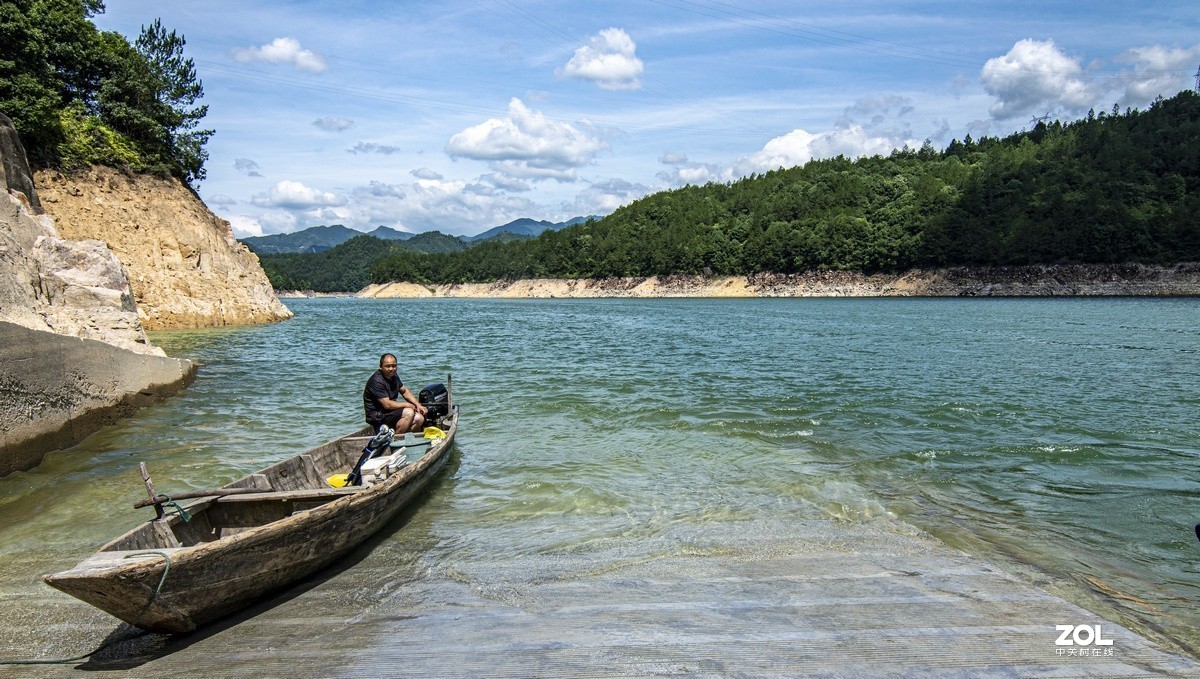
1115	187
79	96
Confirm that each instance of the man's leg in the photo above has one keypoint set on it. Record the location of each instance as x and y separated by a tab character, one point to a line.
405	420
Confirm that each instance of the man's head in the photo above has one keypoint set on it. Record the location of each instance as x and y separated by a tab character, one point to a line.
387	363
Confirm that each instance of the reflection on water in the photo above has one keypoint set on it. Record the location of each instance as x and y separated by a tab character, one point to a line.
1058	434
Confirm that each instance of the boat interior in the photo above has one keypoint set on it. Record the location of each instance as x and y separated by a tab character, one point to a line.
290	486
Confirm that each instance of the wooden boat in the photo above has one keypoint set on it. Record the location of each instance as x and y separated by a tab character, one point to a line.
253	536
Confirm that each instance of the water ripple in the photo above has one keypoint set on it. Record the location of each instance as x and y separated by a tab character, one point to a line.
1057	433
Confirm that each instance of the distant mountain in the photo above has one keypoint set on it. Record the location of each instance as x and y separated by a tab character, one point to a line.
526	227
312	239
323	238
435	242
387	233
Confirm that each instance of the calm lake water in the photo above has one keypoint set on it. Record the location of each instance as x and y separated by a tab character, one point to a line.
1056	437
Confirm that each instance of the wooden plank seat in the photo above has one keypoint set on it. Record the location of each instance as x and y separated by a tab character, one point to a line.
291	495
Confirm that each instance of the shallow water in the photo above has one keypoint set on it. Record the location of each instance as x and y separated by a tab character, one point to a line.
1056	436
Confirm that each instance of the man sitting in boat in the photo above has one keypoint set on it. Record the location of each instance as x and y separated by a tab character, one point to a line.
386	401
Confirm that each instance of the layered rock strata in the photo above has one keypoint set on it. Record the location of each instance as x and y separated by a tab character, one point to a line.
186	268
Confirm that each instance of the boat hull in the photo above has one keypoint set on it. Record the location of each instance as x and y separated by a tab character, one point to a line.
177	589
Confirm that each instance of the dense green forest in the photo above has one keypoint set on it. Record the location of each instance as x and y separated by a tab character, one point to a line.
1112	187
79	96
346	267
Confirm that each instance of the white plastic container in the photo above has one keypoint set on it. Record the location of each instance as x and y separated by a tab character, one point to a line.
376	469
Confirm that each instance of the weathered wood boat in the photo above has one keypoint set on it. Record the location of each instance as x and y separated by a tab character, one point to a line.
256	535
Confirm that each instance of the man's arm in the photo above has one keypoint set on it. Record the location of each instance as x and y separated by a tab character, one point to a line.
409	401
408	396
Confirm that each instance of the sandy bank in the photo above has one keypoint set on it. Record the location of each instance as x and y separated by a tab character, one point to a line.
1023	281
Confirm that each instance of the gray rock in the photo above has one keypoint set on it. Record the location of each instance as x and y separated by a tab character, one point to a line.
55	390
14	166
73	353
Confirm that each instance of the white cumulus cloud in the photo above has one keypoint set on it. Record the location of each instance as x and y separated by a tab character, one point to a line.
295	195
283	51
1034	76
1157	70
800	146
527	145
609	60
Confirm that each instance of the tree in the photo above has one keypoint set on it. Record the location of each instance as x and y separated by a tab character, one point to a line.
80	96
173	90
48	60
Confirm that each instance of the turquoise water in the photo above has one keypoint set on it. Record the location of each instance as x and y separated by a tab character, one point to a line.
1055	436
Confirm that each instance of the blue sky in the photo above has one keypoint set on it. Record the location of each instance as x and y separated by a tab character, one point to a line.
460	115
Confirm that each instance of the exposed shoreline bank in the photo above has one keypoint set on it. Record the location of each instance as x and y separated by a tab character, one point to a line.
1107	280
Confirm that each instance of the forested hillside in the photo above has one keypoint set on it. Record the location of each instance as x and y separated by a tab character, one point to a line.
1113	187
79	96
346	267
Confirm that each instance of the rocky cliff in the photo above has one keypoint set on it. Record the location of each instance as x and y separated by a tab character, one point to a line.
73	354
186	268
52	284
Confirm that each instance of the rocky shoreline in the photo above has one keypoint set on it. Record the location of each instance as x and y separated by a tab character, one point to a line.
82	277
1069	280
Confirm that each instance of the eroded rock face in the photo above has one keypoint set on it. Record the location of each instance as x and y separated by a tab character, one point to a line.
186	268
15	177
73	354
76	288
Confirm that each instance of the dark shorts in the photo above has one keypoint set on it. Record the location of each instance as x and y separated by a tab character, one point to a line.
390	418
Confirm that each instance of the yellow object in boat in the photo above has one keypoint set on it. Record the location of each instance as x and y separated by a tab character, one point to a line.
338	480
433	433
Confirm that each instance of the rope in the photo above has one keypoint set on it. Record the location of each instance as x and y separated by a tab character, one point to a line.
166	569
178	509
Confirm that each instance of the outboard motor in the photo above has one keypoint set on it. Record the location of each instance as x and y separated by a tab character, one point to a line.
436	398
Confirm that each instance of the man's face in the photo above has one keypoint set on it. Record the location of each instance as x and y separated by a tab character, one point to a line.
388	367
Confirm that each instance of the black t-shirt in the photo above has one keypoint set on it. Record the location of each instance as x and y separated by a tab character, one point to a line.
379	387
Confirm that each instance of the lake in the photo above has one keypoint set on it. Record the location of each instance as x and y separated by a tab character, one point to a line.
1056	438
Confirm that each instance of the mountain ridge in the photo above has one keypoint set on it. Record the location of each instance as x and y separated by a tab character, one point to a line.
325	237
